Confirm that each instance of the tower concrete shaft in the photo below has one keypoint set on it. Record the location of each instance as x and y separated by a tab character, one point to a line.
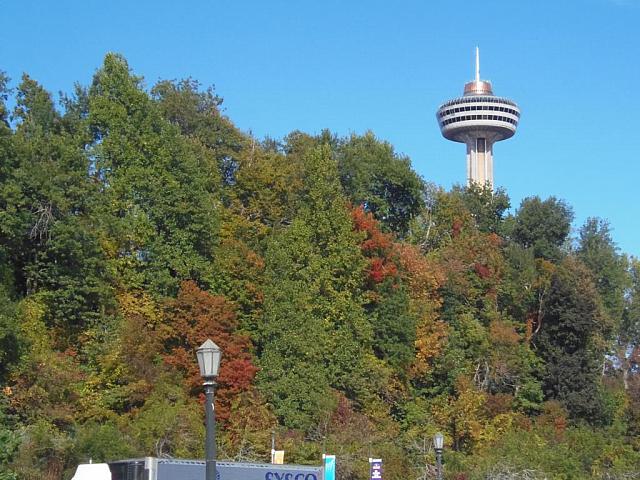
478	119
480	161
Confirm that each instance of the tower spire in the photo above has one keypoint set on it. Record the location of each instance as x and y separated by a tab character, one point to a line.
477	64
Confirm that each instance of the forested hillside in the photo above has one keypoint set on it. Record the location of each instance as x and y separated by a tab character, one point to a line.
360	308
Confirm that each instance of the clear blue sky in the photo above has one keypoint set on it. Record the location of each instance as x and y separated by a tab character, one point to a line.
351	66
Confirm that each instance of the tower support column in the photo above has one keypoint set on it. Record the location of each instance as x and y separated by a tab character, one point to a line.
480	161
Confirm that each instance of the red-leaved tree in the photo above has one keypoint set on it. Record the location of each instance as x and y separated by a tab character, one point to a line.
377	246
190	319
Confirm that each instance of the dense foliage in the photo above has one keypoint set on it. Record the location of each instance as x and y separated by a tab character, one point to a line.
360	308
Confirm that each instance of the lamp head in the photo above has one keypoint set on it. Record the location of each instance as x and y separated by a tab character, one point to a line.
438	441
209	355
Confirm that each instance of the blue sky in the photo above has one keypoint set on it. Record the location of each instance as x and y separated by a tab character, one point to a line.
351	66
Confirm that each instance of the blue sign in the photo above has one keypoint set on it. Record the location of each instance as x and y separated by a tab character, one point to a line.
375	468
167	469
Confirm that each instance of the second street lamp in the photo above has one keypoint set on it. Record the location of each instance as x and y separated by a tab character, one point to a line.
438	445
209	355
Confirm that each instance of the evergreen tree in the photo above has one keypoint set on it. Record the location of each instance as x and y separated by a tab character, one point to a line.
572	342
47	230
7	166
314	335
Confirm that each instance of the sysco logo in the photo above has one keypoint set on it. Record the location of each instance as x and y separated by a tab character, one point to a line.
290	476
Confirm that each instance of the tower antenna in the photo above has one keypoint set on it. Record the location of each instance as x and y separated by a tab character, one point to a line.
477	64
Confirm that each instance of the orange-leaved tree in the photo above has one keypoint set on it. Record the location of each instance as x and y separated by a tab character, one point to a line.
192	317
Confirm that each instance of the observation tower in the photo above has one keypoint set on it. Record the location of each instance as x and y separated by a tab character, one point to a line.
478	119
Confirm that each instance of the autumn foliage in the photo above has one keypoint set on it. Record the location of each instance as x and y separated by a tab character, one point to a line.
190	319
377	246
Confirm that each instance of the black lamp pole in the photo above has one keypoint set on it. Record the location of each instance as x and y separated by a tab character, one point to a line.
210	444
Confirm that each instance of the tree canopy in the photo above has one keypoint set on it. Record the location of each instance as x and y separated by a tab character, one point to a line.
360	308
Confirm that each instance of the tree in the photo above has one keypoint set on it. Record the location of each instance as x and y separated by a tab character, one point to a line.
572	342
542	226
394	326
609	269
160	192
11	342
630	328
189	320
372	175
461	414
314	334
629	344
487	207
7	159
45	392
375	176
46	230
198	115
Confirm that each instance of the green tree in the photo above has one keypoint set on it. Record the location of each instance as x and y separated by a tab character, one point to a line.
487	207
103	442
314	335
629	345
572	342
198	115
9	440
375	176
46	227
160	192
630	328
10	337
599	253
542	226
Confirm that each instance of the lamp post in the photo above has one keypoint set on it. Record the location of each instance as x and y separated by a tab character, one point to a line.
438	443
209	355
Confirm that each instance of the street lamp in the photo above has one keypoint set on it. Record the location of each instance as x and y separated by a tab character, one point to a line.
209	355
438	444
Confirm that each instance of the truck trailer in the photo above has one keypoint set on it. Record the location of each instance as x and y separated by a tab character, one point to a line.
151	468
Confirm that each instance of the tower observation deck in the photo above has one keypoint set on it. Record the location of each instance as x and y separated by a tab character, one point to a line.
478	119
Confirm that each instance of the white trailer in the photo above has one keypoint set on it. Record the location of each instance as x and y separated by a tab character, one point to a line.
151	468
